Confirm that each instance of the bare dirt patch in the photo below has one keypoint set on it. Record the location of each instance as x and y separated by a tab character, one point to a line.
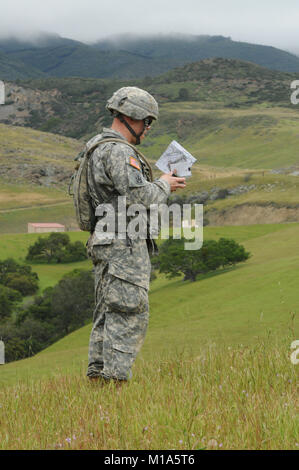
25	199
253	214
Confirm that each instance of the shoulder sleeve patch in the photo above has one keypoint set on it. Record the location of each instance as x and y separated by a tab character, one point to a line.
133	162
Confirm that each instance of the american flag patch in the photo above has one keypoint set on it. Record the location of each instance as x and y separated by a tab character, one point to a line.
135	163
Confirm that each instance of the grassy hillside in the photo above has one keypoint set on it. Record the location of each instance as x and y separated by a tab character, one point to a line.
257	138
214	372
12	68
40	158
215	369
267	198
57	104
225	398
35	170
234	117
240	305
16	220
16	246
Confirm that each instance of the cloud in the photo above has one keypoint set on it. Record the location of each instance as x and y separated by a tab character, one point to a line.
270	22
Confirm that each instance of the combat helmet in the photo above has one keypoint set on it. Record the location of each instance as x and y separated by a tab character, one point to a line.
133	102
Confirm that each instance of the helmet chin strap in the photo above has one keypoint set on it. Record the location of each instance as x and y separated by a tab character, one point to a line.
137	136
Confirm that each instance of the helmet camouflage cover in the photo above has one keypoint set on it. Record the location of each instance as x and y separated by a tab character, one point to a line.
133	102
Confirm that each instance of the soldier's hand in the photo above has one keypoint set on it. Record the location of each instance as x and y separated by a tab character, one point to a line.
175	182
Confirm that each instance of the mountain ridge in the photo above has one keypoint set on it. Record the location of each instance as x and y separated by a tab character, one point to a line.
128	56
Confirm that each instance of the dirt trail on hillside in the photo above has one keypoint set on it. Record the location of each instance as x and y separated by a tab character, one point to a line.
41	206
253	214
245	214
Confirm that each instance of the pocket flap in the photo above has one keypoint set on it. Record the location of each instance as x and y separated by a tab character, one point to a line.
125	348
102	238
129	273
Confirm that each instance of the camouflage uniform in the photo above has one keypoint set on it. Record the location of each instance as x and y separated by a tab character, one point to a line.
122	266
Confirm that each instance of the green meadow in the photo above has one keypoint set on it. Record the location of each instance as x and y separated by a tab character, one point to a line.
215	369
259	137
20	204
25	145
16	246
214	372
235	305
233	147
222	398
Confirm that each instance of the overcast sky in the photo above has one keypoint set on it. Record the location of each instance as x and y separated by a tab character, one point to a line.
270	22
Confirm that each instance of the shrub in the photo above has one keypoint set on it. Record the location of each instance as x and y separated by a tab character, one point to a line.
56	248
174	260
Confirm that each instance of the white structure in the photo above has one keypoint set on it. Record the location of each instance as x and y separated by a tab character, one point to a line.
2	92
2	353
45	227
186	224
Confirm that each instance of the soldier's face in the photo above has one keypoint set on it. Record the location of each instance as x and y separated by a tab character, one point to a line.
139	127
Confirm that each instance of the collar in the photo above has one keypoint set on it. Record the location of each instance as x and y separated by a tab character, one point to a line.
107	133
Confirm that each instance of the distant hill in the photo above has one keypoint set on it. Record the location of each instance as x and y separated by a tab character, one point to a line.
13	69
182	49
58	104
128	56
227	113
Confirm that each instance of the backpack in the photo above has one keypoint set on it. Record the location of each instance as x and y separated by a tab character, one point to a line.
85	213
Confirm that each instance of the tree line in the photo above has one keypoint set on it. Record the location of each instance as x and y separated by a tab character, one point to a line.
174	260
28	325
56	248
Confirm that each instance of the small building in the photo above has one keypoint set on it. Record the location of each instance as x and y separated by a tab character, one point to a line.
45	227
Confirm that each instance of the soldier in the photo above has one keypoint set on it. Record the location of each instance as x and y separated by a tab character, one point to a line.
121	264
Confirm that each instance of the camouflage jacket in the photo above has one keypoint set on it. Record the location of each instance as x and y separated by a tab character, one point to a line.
118	171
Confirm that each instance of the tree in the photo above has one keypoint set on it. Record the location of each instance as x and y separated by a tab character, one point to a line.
174	260
40	309
183	94
20	282
48	248
5	304
58	311
57	248
74	252
7	266
8	300
66	306
24	340
72	300
232	252
18	277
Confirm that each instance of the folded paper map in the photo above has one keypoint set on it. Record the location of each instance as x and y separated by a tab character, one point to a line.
177	158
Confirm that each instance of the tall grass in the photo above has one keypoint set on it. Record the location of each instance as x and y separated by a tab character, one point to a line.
222	398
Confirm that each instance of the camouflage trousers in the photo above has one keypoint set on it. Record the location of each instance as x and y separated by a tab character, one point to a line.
120	323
